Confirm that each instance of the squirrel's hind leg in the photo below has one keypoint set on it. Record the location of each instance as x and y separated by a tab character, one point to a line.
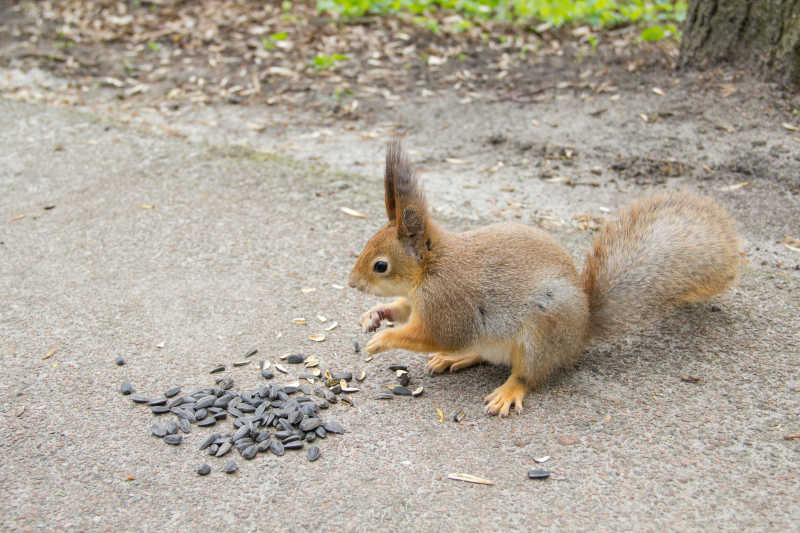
441	361
513	391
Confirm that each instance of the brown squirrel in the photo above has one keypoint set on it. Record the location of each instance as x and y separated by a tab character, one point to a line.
510	294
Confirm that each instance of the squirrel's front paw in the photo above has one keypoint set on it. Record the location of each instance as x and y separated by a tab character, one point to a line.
371	320
378	343
511	393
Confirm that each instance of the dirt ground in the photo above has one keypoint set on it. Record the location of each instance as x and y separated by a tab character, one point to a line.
559	139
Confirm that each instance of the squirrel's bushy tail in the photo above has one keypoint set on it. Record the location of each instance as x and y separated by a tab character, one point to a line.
662	251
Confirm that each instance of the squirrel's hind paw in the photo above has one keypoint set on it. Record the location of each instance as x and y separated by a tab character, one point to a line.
512	392
439	362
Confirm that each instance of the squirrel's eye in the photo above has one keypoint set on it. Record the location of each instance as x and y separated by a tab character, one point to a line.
380	266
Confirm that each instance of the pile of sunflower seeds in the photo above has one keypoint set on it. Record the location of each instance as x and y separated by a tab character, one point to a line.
272	418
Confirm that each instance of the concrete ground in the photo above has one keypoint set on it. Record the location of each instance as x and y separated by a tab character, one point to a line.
178	255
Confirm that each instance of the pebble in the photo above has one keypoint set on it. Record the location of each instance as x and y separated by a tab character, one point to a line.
203	470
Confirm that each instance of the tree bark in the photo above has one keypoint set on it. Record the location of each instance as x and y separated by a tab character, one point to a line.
762	34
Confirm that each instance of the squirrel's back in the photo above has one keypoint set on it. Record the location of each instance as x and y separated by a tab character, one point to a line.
663	250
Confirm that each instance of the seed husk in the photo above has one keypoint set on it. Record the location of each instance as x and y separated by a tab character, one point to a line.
313	453
542	459
251	353
396	367
203	470
174	439
240	363
459	416
119	360
226	383
138	398
169	393
126	388
362	375
216	369
332	326
281	368
300	321
230	467
317	337
538	473
417	391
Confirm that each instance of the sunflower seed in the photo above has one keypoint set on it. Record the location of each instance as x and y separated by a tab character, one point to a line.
205	401
230	467
397	367
277	447
172	392
384	396
126	388
119	360
538	473
171	427
216	369
362	375
174	439
203	470
342	375
296	358
356	347
208	441
313	453
226	383
321	433
250	452
290	438
224	448
251	353
399	390
310	424
332	426
207	421
159	409
267	374
138	398
159	402
294	445
263	447
158	430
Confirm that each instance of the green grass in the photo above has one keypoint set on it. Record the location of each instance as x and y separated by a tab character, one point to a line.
596	13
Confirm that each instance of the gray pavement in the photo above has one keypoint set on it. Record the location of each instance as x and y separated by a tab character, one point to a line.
217	266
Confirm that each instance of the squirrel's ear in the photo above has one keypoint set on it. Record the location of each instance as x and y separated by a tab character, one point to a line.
411	231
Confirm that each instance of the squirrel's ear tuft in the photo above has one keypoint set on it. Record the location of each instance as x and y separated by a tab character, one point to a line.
394	152
402	181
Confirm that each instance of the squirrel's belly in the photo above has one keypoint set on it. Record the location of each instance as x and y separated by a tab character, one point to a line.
497	353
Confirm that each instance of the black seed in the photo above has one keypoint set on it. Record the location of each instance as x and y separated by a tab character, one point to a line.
201	413
241	363
207	421
161	401
208	441
336	389
395	367
263	446
332	426
290	438
185	426
251	353
222	415
126	388
203	470
226	383
277	447
313	453
172	392
310	424
177	401
218	368
241	433
290	389
159	410
296	358
538	473
399	390
311	436
384	396
184	413
173	439
205	401
402	378
250	452
356	347
119	360
171	427
224	448
138	398
266	373
158	430
212	450
230	467
262	436
294	445
321	433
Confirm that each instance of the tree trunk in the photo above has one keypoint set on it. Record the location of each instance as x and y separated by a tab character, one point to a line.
763	34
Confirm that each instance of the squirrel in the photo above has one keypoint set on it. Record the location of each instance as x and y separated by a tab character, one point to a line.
510	294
